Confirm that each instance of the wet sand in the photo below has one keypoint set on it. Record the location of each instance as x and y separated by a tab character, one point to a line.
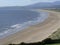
37	32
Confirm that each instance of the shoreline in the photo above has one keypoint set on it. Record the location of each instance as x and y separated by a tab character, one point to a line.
35	33
42	16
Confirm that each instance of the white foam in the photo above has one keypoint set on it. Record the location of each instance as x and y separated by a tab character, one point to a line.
15	28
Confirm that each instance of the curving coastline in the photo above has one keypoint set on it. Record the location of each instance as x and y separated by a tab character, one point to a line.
18	27
37	32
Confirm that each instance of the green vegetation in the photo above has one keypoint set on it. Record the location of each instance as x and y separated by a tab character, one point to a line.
54	10
55	35
52	44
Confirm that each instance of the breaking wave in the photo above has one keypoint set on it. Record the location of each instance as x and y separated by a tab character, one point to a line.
17	27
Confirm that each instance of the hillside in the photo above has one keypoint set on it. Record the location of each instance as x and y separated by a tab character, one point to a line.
40	5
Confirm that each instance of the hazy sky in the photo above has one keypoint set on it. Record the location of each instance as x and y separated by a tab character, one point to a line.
21	2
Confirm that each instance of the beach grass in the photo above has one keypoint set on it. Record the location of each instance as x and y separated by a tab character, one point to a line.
53	44
54	36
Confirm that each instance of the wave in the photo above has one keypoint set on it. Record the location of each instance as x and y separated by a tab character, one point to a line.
18	27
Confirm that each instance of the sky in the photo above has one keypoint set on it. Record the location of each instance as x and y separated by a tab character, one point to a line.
4	3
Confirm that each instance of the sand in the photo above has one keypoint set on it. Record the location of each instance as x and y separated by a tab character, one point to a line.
37	32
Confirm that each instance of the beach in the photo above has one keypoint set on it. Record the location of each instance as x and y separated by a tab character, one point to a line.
37	32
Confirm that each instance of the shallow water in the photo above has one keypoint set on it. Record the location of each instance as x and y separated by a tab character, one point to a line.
12	21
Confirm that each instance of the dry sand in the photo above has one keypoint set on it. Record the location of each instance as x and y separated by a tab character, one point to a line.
37	32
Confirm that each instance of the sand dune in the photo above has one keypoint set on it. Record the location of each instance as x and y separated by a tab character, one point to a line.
37	32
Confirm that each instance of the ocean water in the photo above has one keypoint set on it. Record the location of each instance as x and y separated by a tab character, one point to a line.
12	21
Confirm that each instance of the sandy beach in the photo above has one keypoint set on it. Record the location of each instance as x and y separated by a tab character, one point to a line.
37	32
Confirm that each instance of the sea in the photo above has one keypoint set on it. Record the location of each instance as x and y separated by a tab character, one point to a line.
12	21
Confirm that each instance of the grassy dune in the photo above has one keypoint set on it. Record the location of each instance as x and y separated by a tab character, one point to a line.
55	35
52	44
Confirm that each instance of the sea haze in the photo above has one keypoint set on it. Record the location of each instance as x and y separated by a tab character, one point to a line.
12	21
